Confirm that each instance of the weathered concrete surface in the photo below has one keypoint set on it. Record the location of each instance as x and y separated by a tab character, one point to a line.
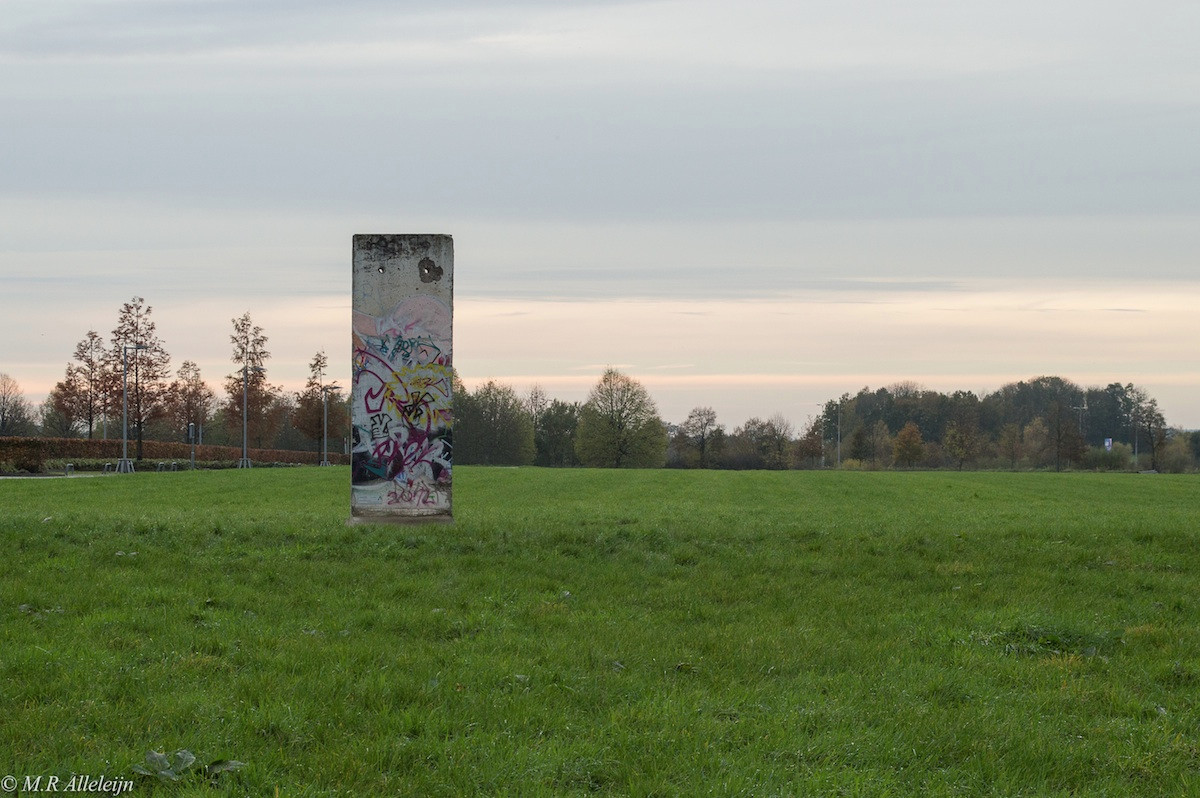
402	299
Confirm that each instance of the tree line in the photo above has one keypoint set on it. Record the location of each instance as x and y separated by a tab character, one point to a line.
617	427
132	369
1045	422
1041	423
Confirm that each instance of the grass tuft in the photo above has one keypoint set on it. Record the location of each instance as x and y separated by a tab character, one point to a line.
1046	641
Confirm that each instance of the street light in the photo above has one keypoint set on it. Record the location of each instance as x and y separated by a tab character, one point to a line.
1133	429
1082	409
325	389
823	426
125	465
246	369
839	434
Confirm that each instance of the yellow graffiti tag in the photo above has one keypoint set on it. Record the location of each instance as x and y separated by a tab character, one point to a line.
421	395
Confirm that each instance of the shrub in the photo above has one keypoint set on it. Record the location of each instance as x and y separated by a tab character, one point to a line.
1098	459
35	454
1177	456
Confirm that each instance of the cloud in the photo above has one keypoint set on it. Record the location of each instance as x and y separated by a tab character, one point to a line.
695	111
171	29
897	185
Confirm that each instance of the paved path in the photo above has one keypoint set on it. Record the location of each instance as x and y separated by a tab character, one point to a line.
53	476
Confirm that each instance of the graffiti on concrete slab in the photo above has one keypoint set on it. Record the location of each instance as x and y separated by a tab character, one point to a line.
403	441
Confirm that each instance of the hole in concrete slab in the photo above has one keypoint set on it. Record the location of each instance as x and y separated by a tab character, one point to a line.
430	271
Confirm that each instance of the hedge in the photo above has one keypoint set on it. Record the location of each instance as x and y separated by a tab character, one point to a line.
31	454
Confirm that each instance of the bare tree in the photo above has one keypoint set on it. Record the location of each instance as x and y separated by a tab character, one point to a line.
138	361
309	415
701	428
192	400
265	412
59	413
810	447
1153	427
1011	444
16	417
90	380
1065	436
535	403
1035	442
761	444
782	433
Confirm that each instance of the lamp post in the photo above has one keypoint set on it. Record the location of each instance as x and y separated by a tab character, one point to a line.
125	465
246	369
824	427
325	389
839	434
1133	428
1082	409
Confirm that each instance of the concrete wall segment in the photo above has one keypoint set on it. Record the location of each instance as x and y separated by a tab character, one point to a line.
401	408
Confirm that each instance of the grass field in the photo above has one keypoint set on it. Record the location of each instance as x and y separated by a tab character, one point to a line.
600	632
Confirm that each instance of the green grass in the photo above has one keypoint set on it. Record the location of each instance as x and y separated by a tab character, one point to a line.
614	633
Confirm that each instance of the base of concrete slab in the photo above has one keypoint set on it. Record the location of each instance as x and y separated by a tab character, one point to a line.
398	520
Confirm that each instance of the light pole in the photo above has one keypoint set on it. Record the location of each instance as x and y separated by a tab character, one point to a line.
246	369
125	465
824	428
1133	428
839	434
325	389
1082	409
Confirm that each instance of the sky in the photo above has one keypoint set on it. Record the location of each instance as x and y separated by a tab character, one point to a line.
754	206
